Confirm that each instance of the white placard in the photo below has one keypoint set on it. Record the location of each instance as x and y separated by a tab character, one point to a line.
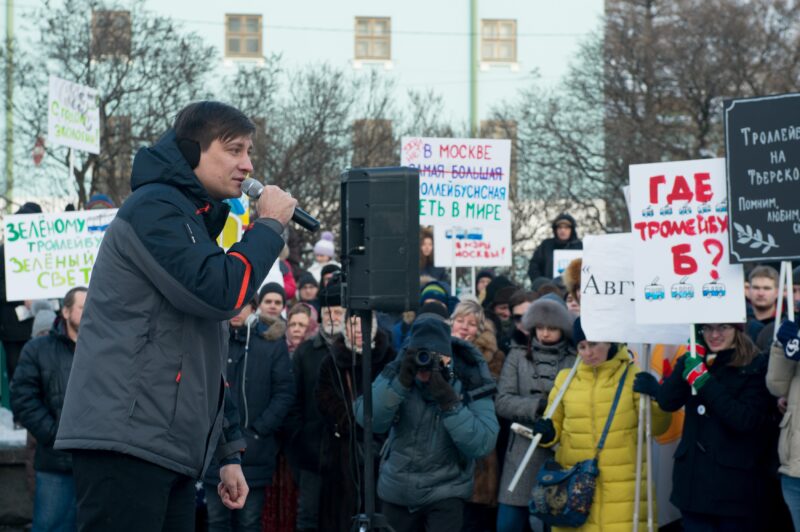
562	258
608	296
47	254
73	116
680	227
463	194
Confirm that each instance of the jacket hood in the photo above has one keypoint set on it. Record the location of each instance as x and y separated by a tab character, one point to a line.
465	351
271	328
164	163
568	218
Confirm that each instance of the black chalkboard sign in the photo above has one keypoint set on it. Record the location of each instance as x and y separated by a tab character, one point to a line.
762	146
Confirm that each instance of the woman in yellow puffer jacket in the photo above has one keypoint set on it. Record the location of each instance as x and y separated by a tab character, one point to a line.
578	422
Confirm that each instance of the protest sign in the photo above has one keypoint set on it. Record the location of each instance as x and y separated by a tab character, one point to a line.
73	116
680	225
562	258
463	194
762	145
608	296
47	254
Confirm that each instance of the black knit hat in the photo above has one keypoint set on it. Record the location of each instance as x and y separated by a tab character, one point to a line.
431	333
272	288
329	268
29	207
305	279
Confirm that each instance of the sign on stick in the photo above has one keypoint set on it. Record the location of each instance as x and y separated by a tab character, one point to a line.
762	146
463	194
47	254
608	295
562	258
73	116
680	226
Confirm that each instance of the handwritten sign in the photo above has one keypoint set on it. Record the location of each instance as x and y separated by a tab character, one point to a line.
680	226
47	254
762	139
608	295
463	194
73	116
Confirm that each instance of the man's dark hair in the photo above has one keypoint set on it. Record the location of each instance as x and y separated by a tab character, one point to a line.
207	121
521	296
765	272
69	299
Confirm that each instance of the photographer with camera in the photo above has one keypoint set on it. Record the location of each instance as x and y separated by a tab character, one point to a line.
435	400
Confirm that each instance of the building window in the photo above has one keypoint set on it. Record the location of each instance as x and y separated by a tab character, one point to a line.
243	36
499	41
373	38
111	34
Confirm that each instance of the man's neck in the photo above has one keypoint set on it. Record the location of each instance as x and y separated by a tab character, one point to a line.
763	313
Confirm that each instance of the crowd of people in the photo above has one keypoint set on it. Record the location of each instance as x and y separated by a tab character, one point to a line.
448	380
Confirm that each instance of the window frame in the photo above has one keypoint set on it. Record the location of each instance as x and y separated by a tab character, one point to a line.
371	39
497	41
243	35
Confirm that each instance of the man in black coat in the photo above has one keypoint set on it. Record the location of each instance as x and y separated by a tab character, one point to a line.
143	412
565	236
261	385
37	395
306	418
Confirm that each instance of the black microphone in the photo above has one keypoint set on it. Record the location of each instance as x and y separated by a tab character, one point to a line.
253	189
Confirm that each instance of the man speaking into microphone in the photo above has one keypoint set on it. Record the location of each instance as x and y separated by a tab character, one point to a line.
143	412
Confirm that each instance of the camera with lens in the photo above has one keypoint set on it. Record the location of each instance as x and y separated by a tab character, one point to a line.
425	359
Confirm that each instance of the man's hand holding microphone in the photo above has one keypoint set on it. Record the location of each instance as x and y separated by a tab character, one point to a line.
278	204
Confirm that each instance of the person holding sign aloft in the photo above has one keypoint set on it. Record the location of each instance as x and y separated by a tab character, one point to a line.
718	475
578	421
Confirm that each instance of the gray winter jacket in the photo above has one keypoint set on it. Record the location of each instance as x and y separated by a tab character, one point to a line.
430	455
783	380
147	377
523	388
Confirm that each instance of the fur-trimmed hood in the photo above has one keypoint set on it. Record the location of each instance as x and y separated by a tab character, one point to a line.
486	342
548	312
275	327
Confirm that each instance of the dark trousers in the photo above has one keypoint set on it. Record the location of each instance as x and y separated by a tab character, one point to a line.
125	494
693	522
441	516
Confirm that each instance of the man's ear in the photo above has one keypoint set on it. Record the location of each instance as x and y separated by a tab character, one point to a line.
190	149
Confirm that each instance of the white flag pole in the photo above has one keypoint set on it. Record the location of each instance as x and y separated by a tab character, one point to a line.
547	415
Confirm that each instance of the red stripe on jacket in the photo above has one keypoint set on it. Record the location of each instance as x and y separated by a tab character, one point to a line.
245	279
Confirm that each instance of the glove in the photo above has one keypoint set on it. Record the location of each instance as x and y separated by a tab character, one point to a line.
789	337
542	406
544	426
646	384
699	340
442	392
695	372
408	369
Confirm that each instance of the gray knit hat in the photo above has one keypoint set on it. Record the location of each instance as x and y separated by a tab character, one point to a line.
43	317
548	312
